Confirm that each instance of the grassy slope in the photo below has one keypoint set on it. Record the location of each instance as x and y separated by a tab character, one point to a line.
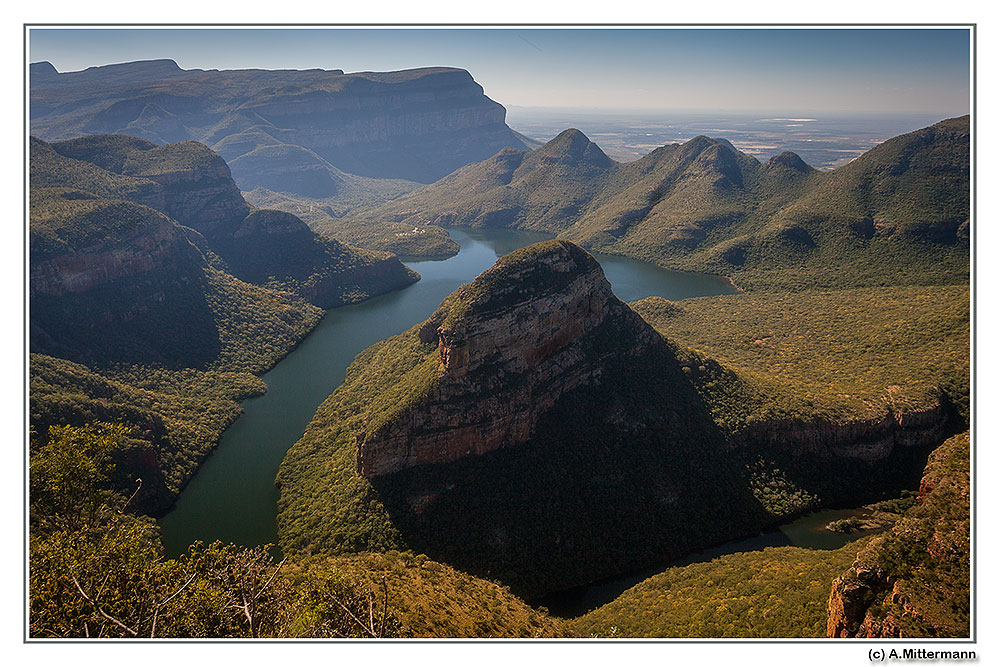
836	355
325	217
893	216
431	599
49	169
64	221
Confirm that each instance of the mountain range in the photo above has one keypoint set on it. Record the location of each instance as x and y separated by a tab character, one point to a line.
157	294
534	433
898	214
315	132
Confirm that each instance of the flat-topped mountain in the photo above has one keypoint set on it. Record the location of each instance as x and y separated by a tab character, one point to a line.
538	430
524	334
285	130
891	215
192	185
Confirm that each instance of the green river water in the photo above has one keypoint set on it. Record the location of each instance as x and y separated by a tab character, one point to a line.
233	497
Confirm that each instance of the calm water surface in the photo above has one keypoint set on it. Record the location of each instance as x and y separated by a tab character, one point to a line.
233	497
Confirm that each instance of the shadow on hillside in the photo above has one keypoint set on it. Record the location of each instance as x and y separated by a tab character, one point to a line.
163	318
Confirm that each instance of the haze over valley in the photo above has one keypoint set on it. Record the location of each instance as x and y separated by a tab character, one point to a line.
324	353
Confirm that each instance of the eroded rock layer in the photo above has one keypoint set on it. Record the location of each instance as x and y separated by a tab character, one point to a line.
295	131
507	355
914	580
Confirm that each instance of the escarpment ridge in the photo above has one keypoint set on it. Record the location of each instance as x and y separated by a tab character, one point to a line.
285	130
534	418
514	342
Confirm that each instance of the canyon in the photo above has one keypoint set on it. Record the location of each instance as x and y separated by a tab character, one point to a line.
534	416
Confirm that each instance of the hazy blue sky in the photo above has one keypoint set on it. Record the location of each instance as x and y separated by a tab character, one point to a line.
902	70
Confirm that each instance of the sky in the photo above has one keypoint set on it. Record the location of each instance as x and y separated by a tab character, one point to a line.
922	70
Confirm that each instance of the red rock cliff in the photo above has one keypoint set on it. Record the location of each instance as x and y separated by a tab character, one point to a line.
509	346
914	580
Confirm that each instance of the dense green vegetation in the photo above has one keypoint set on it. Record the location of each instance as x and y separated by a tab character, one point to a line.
325	217
917	576
777	592
320	269
834	355
65	220
431	599
897	215
49	169
96	570
176	410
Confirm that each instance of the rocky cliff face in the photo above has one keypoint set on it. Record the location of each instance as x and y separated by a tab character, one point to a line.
198	188
193	186
157	246
509	348
414	124
914	580
864	441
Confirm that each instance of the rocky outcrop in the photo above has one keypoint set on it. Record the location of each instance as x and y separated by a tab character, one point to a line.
186	180
156	246
416	124
269	223
198	188
914	580
867	441
193	186
510	346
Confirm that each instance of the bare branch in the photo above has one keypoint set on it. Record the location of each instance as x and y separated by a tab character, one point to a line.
122	510
385	608
270	579
370	631
371	611
246	612
160	605
102	612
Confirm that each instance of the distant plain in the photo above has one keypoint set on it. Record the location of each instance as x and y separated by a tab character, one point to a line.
824	141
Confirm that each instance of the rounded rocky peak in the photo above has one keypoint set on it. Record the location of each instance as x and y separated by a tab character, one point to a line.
702	145
572	146
269	222
542	268
41	67
789	160
556	255
556	273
